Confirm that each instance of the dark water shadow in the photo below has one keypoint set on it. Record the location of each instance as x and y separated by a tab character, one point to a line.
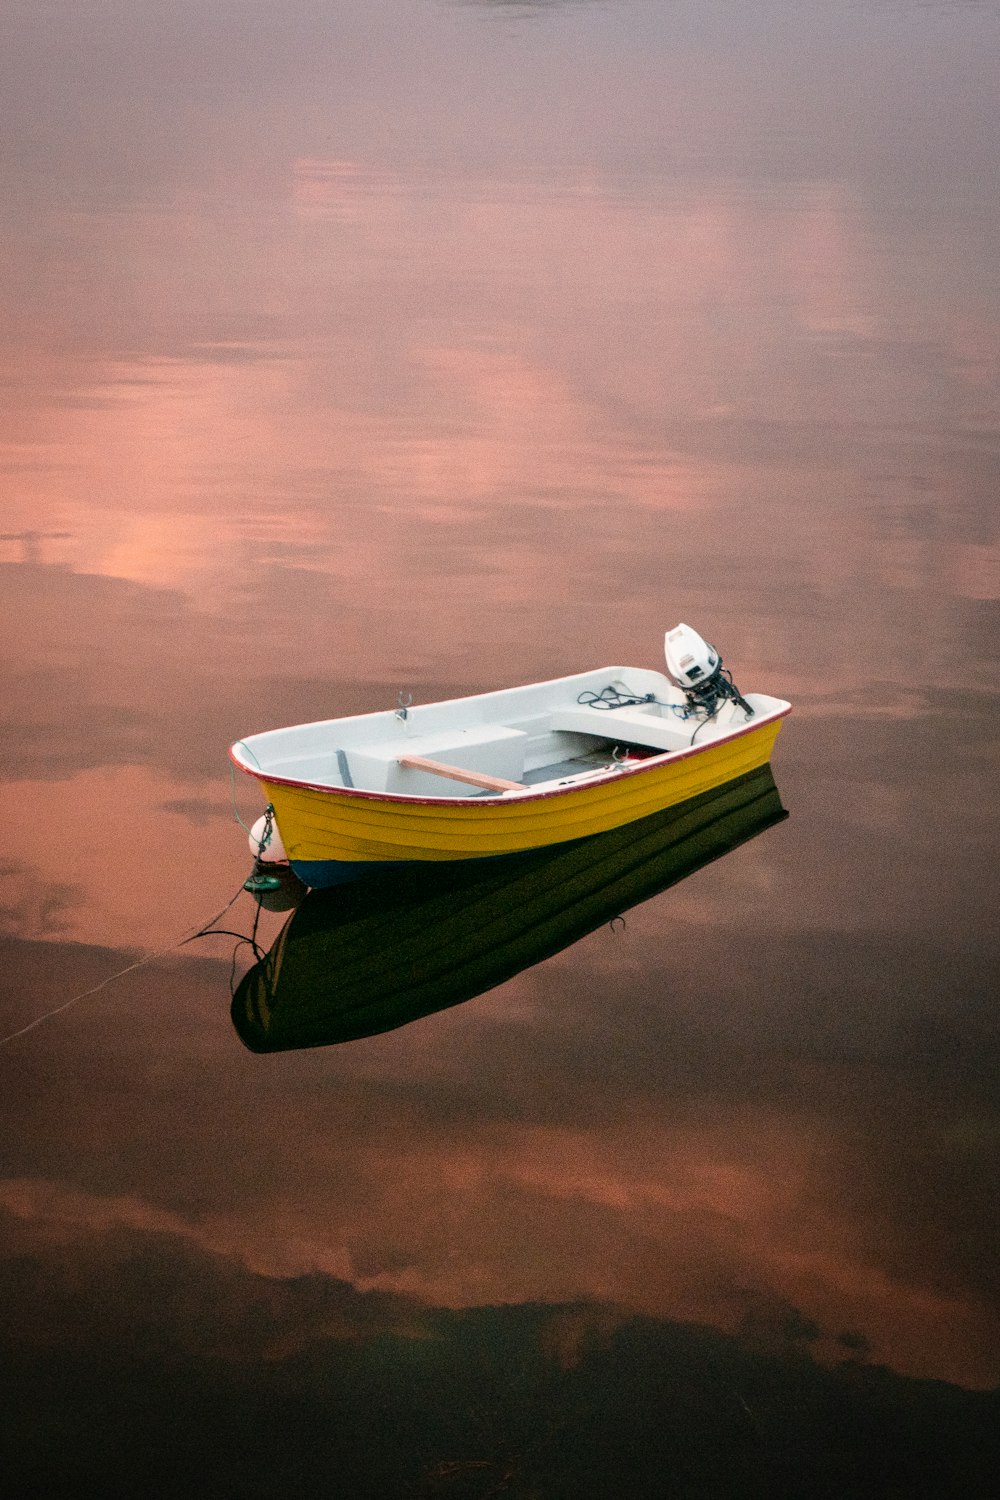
366	958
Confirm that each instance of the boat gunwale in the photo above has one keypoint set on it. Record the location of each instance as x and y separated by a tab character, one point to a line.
529	794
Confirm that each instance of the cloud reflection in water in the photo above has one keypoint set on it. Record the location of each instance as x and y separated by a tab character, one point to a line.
350	348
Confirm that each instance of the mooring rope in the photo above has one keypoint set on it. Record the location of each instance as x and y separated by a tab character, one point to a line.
204	930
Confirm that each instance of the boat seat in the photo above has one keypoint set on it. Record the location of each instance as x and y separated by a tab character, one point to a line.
634	726
494	750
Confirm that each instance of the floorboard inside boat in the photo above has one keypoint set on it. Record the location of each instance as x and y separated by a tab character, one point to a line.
591	761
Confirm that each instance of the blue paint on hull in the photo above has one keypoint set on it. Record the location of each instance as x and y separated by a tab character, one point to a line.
322	873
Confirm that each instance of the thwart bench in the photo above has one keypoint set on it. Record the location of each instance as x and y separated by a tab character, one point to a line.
633	726
486	756
490	757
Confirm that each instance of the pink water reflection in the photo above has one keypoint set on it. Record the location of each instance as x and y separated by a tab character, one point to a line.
314	390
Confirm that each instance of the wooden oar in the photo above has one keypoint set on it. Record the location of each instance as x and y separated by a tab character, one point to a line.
472	778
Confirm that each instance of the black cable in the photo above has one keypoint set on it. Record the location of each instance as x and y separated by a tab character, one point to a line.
610	697
223	932
259	953
139	963
241	939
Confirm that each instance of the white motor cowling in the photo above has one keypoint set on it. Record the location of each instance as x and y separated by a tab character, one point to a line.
696	667
691	661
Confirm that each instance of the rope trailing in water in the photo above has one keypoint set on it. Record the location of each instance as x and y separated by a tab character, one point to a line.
204	930
236	811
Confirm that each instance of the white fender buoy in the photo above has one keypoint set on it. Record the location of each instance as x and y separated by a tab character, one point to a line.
273	851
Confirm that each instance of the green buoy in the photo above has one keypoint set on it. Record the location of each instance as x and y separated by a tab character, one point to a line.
259	882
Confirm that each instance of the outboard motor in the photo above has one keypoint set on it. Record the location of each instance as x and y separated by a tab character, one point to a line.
696	667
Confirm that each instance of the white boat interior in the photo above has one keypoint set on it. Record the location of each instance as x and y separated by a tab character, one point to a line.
500	743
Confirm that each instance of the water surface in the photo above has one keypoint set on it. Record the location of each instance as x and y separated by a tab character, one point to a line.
449	346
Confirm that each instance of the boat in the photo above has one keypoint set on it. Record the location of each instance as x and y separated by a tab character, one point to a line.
503	772
375	955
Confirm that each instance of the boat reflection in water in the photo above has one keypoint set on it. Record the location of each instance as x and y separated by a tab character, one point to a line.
373	955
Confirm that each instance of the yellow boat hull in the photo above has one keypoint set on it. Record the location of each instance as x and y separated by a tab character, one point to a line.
325	829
